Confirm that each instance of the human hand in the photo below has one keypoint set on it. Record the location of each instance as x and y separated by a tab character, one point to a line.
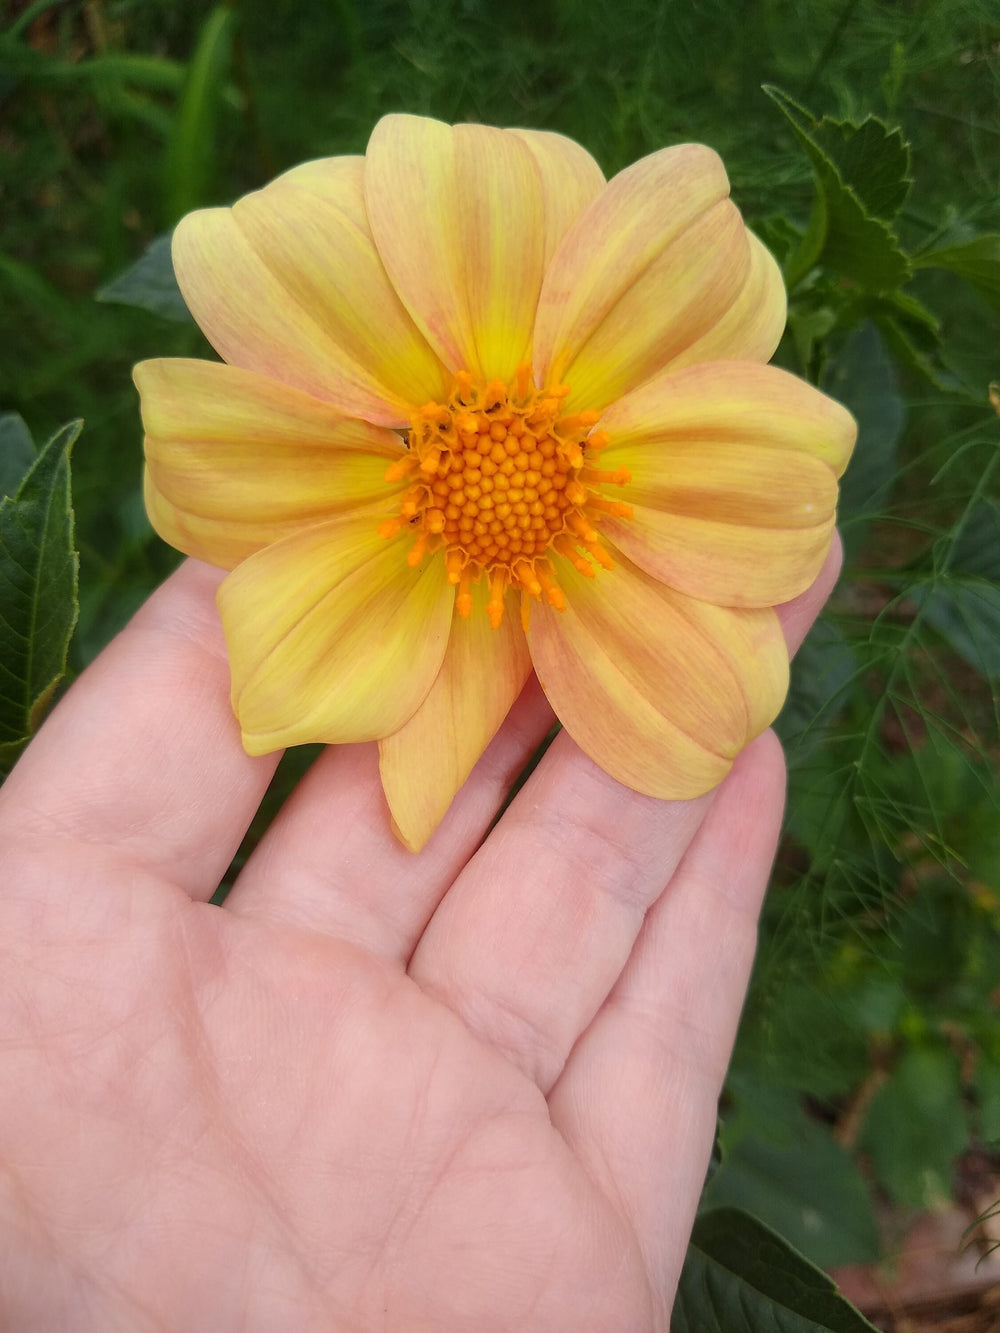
465	1090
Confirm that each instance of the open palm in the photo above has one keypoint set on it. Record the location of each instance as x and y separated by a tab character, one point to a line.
472	1089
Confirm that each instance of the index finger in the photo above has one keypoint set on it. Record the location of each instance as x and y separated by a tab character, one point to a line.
143	754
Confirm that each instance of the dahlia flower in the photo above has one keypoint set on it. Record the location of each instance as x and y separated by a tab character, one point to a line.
480	411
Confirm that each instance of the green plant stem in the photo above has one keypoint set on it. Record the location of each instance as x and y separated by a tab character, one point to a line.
846	14
33	12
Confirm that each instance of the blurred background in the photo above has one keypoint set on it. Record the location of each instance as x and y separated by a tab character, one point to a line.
862	1115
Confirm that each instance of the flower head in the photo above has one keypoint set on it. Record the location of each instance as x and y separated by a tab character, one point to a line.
482	411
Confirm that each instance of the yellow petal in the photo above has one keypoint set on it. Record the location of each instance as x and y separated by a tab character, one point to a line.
751	328
311	231
734	402
459	220
255	320
332	636
655	259
725	563
677	299
221	544
754	645
570	180
236	461
733	489
660	690
751	486
425	763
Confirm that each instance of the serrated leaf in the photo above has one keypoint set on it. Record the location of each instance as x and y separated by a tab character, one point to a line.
741	1277
855	241
871	158
916	1126
863	377
150	284
978	262
38	586
17	452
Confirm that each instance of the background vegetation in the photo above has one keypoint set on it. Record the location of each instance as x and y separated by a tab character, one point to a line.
866	1083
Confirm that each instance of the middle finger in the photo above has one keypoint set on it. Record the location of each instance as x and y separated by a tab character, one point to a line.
532	937
330	861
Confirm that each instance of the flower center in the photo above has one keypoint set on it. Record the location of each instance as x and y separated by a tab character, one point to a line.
502	480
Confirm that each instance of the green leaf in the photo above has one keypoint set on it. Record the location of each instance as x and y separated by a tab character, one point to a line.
779	234
822	670
905	306
191	152
963	604
863	377
912	332
966	613
872	159
977	548
912	351
807	256
987	1085
150	284
978	262
847	233
809	326
916	1126
17	452
38	586
741	1277
788	1171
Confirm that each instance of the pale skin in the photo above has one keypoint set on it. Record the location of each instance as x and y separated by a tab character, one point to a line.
467	1090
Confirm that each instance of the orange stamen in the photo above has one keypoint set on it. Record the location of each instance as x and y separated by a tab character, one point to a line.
579	562
495	394
600	555
579	421
454	563
494	607
401	468
525	575
616	508
600	476
578	524
500	481
463	602
554	595
419	549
